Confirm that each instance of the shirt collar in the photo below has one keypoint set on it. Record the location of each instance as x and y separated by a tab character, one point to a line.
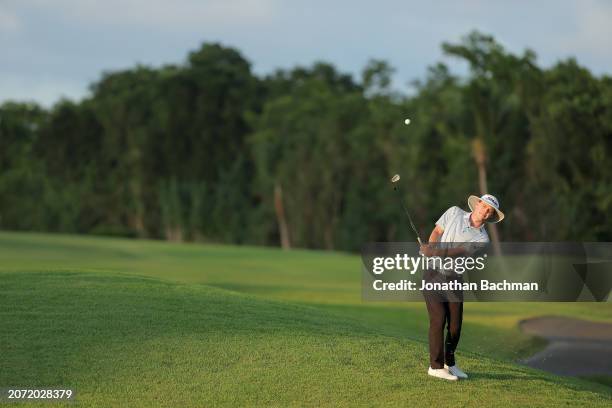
469	224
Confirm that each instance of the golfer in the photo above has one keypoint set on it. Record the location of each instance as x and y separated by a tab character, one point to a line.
455	225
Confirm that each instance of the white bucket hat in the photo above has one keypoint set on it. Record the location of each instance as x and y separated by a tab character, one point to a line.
490	200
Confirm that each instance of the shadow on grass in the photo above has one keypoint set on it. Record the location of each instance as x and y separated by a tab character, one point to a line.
475	375
579	385
600	379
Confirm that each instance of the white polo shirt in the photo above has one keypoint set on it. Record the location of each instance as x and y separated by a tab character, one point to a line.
456	225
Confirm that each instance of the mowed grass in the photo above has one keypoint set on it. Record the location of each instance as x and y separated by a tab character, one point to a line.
138	323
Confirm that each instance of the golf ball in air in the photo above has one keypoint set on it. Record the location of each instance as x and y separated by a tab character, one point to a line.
407	121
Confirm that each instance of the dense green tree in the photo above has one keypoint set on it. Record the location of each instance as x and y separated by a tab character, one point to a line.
568	153
205	150
22	182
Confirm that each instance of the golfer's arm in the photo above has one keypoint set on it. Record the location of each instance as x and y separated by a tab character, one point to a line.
435	235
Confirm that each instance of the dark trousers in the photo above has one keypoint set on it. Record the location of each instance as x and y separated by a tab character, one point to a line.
443	313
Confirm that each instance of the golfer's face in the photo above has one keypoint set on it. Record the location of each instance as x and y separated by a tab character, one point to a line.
484	210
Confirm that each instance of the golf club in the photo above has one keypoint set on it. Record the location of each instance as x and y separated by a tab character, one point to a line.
396	187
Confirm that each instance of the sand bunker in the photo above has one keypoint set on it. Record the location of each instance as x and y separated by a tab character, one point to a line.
577	347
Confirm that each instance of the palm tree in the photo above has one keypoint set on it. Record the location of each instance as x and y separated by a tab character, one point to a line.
480	157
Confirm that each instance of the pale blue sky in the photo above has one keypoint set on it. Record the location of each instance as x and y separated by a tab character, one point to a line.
55	48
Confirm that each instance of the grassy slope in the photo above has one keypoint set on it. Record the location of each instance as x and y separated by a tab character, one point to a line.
119	338
327	280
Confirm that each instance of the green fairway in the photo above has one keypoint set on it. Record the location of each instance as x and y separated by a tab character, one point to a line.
143	323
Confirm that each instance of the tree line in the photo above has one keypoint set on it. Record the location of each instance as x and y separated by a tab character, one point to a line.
208	151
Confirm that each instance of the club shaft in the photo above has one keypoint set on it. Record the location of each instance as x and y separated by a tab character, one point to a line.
408	215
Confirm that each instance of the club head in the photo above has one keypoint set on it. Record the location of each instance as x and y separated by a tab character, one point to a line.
395	178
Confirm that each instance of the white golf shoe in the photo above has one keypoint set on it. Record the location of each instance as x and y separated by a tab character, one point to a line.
456	371
442	373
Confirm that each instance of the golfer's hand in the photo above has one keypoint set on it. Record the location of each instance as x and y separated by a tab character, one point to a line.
426	250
